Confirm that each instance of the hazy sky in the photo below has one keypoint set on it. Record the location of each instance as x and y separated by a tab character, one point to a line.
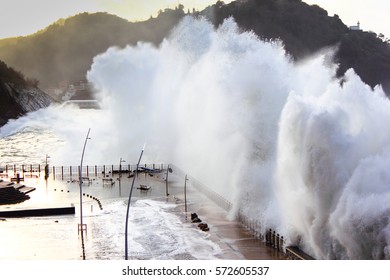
373	15
24	17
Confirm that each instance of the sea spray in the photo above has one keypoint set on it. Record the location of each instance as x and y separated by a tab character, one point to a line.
325	139
207	100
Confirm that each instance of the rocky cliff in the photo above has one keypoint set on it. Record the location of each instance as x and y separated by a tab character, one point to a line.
18	96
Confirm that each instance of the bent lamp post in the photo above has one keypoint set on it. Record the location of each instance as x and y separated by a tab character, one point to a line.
128	204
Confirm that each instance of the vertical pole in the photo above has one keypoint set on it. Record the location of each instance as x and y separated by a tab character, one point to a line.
185	195
128	204
81	195
120	167
166	182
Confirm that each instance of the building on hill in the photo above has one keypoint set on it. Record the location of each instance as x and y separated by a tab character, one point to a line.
355	27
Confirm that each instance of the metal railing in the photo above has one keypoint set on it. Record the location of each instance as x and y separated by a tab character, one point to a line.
212	195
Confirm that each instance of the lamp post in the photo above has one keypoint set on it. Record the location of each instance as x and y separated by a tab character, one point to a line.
169	170
185	195
81	226
120	176
128	204
120	166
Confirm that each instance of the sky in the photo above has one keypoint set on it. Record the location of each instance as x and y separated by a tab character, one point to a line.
24	17
373	15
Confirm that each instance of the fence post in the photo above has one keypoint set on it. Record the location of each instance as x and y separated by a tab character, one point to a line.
281	245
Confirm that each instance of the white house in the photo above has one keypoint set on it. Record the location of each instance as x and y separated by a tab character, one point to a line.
355	27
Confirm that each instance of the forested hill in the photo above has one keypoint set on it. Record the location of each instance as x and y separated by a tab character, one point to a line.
64	51
306	29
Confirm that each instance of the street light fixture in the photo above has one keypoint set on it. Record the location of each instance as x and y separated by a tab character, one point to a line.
185	195
120	166
128	203
82	226
169	170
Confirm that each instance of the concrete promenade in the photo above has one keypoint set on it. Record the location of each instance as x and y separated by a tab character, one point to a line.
234	240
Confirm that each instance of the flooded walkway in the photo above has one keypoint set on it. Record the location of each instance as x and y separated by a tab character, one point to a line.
236	242
155	232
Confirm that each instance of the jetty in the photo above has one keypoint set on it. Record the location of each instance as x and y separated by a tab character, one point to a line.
11	193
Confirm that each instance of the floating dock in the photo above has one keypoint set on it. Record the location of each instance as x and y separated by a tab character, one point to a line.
20	213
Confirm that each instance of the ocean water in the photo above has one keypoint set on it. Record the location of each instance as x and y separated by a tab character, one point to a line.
288	144
157	227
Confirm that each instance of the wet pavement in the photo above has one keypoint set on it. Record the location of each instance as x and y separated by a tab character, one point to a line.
234	241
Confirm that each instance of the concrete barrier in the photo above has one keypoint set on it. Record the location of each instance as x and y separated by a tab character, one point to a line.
38	212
